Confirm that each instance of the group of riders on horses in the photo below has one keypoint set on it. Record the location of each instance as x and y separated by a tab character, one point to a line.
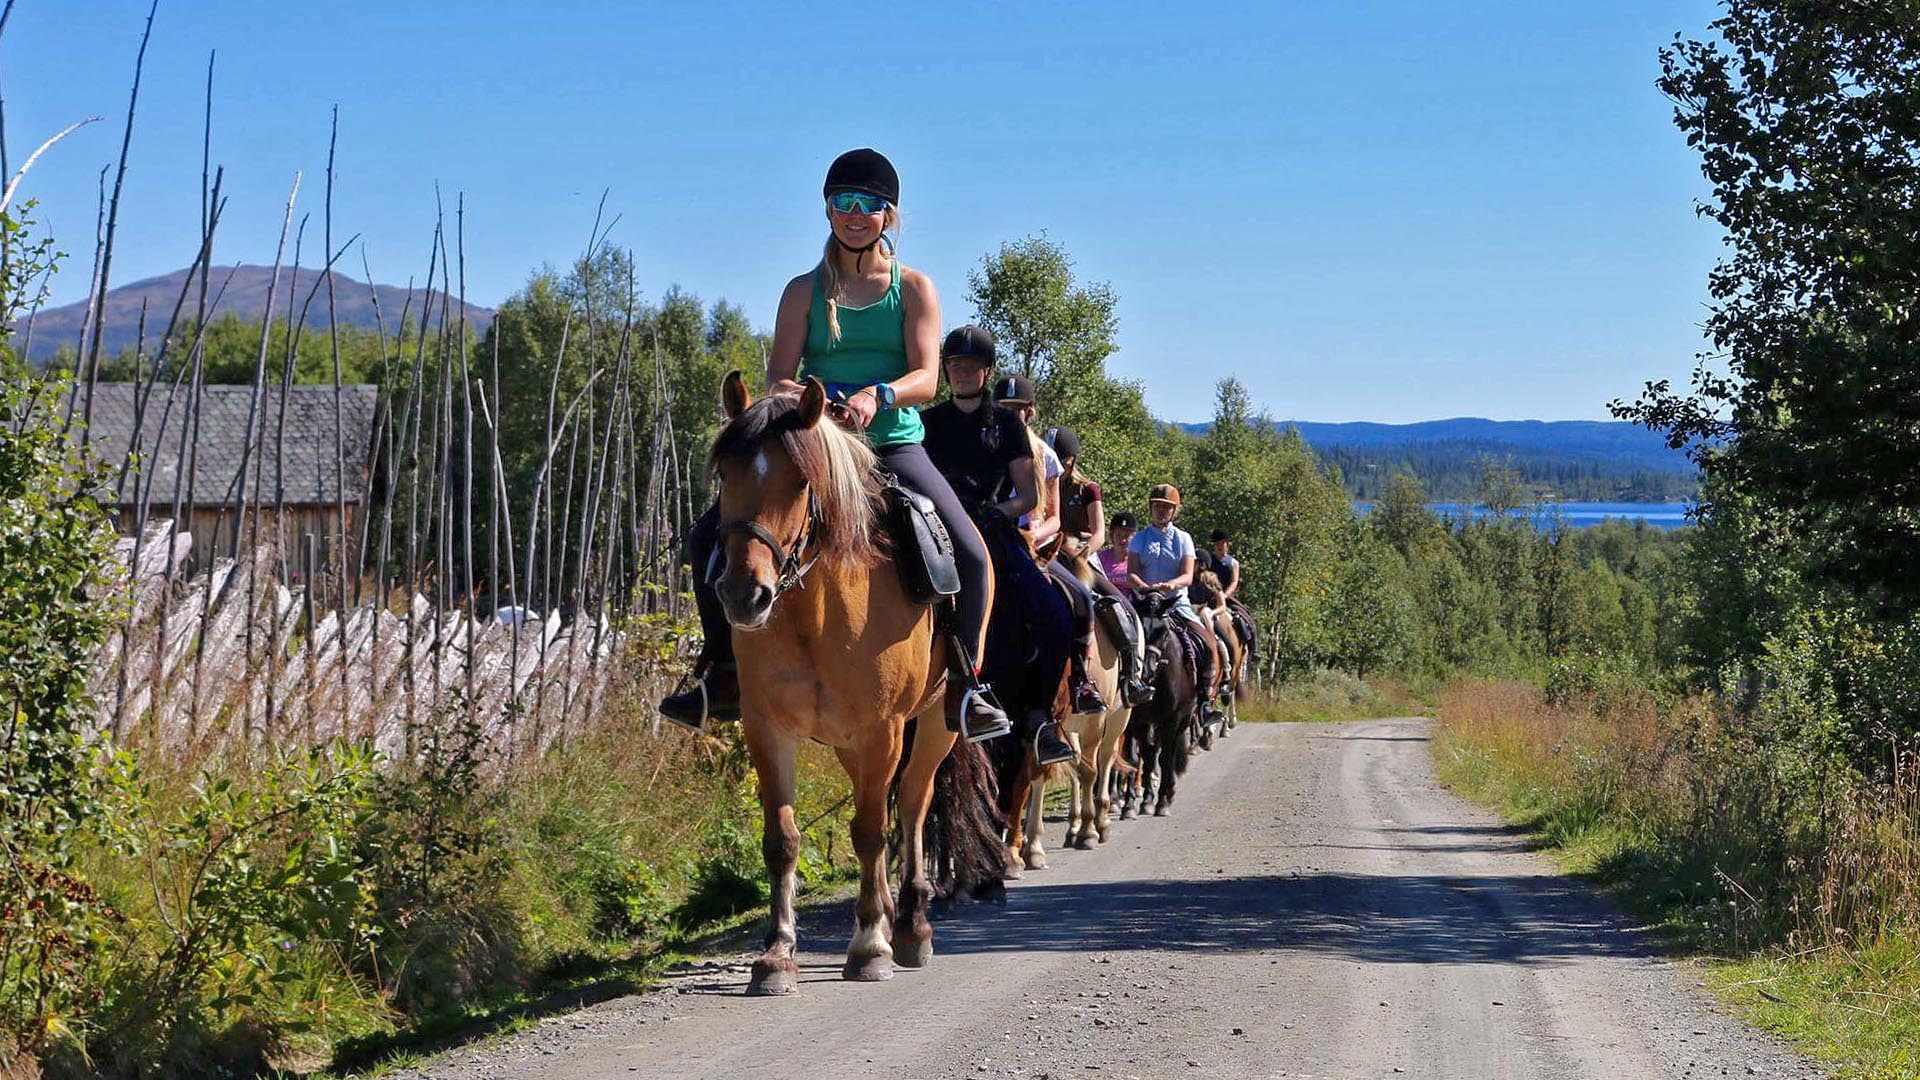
1012	499
811	636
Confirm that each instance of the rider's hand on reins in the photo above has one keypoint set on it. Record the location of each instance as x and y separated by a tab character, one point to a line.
854	413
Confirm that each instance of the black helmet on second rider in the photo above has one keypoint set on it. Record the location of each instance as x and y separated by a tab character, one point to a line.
969	343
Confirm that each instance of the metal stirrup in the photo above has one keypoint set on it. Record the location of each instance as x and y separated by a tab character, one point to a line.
966	699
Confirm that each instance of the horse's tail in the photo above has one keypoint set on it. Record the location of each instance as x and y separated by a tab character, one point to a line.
969	800
964	823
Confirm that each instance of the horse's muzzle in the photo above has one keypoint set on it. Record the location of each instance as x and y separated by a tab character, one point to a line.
746	601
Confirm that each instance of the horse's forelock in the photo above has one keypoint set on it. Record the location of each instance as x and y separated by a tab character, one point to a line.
838	467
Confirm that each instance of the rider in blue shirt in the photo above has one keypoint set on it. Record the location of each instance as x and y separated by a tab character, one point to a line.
1160	558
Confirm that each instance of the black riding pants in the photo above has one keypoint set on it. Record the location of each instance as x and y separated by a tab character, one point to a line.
910	463
1048	617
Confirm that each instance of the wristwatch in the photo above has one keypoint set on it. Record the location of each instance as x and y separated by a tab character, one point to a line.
883	394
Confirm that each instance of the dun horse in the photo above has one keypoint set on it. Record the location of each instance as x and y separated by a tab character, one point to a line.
830	648
1097	736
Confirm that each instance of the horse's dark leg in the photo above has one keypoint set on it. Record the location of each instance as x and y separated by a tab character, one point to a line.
1172	750
774	971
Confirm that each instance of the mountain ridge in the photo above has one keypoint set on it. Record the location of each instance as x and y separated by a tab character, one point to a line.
245	293
1582	460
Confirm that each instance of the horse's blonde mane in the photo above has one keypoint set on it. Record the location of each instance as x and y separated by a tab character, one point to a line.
838	466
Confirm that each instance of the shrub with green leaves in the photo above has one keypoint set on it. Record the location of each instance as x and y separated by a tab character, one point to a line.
56	608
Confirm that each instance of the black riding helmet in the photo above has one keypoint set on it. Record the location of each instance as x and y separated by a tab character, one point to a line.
1064	442
1219	535
865	170
1123	519
971	342
1013	390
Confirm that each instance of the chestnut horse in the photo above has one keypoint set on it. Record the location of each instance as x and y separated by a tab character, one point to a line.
829	648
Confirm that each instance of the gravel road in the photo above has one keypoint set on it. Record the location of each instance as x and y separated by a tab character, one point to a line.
1316	907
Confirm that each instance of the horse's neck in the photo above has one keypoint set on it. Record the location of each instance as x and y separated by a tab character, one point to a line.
838	601
803	611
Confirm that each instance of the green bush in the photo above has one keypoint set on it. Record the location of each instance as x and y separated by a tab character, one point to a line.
236	900
57	605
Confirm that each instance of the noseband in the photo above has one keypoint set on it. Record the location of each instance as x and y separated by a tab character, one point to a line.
793	570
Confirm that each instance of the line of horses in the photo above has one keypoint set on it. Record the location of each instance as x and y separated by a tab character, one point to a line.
832	648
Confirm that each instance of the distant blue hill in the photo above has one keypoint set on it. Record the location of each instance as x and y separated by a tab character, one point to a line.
1558	459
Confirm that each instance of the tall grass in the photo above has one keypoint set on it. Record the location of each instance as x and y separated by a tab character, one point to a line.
359	909
1797	882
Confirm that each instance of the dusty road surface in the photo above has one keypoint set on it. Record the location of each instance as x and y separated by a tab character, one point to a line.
1316	907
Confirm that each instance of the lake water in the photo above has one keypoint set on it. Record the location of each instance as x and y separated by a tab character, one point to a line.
1574	514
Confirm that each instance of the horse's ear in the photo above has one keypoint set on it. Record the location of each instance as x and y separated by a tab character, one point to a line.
734	396
813	402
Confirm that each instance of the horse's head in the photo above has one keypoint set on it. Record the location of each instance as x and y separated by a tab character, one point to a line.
1154	604
792	490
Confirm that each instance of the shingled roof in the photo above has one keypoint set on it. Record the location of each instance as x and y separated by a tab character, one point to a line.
308	465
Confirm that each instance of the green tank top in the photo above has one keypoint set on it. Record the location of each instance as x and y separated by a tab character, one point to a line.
872	348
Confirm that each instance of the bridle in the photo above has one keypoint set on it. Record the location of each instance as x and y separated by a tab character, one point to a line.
793	570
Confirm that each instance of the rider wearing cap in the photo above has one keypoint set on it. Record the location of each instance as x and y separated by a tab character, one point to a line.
1224	566
868	328
984	451
1160	558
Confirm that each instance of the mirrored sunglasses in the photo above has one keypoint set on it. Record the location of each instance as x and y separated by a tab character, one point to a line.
857	202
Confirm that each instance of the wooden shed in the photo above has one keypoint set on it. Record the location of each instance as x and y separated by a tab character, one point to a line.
297	481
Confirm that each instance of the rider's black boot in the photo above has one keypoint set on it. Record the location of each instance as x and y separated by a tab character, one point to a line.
1133	689
972	712
1049	748
712	696
1086	697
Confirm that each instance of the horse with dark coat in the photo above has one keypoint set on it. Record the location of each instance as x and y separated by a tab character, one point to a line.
1163	730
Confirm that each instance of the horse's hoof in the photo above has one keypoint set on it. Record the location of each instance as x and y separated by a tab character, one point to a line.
1163	810
1126	813
991	892
872	969
912	954
1036	860
1084	843
1105	832
1013	872
773	981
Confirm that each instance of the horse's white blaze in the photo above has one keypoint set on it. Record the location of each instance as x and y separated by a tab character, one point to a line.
761	466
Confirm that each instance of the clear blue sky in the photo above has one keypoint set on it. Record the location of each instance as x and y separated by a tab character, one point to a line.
1378	209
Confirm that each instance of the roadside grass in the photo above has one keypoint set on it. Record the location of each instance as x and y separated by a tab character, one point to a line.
486	894
1809	927
629	854
1327	696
